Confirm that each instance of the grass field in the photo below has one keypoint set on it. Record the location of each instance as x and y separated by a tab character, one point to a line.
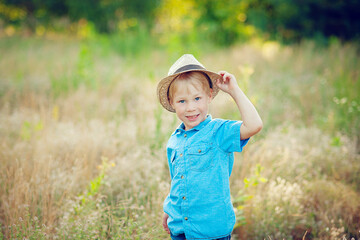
82	147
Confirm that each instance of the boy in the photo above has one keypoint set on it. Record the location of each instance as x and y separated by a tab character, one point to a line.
200	151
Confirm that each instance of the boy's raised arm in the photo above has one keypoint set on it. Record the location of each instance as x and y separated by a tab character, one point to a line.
252	122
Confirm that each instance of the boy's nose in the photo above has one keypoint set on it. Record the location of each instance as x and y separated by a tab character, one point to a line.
190	107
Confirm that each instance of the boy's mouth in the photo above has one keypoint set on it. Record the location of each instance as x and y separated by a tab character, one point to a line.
193	117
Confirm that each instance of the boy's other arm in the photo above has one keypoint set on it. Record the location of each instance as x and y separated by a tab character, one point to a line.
164	223
252	122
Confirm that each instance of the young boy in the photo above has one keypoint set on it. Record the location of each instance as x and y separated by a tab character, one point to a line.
200	151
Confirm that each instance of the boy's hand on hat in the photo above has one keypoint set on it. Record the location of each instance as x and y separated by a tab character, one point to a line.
227	82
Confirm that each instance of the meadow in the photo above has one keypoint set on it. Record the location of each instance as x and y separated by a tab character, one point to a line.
83	139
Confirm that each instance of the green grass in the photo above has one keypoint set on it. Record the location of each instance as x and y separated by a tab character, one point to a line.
68	104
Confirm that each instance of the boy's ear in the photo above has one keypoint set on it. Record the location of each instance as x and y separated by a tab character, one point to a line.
210	95
171	103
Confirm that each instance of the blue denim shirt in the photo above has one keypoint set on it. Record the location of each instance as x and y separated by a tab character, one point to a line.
200	162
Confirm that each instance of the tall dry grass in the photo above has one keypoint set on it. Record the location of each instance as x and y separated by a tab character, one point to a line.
83	140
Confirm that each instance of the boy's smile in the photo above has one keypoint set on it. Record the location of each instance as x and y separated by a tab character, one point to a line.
193	117
191	103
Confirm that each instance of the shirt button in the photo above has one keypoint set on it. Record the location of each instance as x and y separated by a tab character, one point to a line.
185	218
199	151
182	177
181	154
185	135
184	198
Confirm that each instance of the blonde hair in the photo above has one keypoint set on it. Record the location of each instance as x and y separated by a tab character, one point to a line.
194	78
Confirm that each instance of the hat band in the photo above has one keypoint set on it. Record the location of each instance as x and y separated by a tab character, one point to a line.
189	67
194	67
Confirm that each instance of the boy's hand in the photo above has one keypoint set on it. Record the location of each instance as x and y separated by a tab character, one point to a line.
227	83
164	223
252	123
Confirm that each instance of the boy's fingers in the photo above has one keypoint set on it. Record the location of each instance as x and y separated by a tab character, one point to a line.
166	229
226	77
222	73
165	226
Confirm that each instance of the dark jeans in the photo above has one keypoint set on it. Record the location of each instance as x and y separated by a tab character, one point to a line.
182	237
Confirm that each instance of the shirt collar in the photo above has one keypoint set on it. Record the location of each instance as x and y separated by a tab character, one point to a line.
181	128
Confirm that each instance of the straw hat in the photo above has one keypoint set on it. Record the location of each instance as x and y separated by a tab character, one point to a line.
185	63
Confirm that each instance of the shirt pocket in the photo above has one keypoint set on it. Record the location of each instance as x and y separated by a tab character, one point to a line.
201	157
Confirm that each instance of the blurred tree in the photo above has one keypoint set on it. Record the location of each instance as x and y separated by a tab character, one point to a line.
294	19
36	10
224	22
337	17
92	10
103	13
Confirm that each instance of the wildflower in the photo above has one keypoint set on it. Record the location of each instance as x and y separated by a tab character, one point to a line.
36	219
20	219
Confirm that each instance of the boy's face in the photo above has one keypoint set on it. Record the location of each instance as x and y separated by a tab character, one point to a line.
191	103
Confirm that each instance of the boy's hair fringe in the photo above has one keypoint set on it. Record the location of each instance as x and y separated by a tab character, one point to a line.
192	77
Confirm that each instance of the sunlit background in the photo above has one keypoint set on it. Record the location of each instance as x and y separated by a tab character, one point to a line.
83	137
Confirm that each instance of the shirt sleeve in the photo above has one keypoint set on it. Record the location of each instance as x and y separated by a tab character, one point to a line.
227	136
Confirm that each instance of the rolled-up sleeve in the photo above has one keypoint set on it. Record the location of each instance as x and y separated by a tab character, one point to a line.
228	136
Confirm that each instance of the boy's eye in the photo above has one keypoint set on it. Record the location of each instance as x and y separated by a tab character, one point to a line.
181	101
197	98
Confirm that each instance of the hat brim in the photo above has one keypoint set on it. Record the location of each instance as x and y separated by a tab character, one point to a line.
163	86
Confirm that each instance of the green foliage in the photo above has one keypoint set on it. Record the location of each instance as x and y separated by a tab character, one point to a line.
95	184
83	76
290	20
243	198
159	136
88	216
85	69
92	215
27	228
224	21
104	14
347	102
28	129
221	22
132	40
